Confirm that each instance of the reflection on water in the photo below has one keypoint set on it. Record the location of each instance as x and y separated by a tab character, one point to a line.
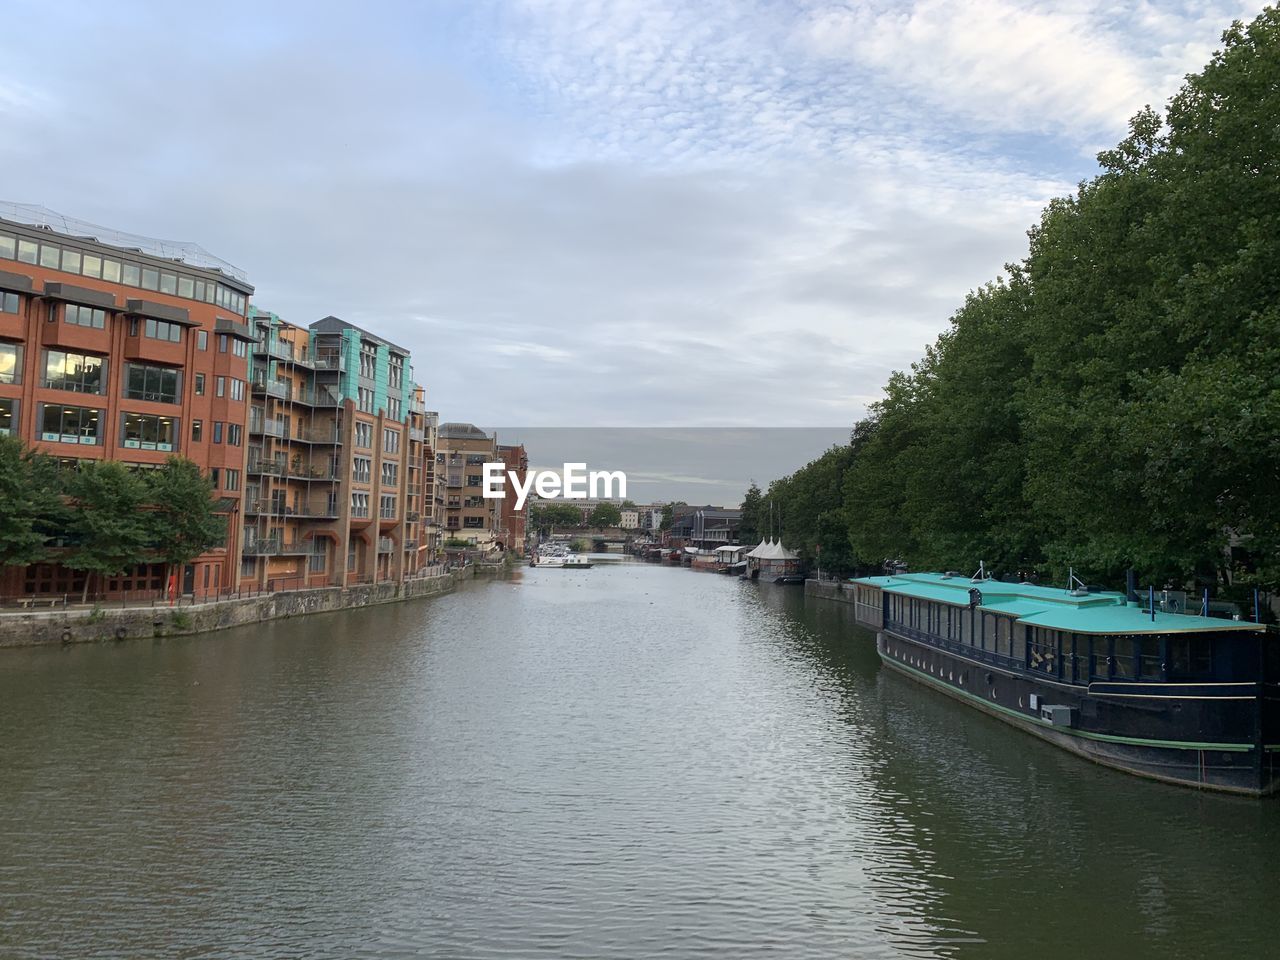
608	763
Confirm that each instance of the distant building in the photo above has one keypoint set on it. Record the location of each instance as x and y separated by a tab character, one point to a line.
630	520
704	527
462	451
511	525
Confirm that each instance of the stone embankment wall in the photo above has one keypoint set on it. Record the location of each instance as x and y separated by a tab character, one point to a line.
88	626
829	590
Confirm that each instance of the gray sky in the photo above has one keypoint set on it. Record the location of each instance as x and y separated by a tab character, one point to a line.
642	212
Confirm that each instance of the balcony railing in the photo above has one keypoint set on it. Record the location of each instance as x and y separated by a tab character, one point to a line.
268	427
271	547
271	467
272	388
265	506
304	471
385	545
416	434
453	480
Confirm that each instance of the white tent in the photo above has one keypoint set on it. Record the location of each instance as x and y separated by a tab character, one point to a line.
772	550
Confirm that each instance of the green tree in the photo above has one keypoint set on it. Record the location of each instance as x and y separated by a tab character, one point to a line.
669	514
181	523
605	515
106	519
749	529
30	505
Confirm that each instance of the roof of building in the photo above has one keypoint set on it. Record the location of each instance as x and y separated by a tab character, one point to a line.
332	324
192	254
461	431
1054	608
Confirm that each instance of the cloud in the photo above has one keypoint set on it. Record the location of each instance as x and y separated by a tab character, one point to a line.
597	212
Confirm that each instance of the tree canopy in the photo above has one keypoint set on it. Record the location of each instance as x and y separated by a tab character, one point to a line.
1114	399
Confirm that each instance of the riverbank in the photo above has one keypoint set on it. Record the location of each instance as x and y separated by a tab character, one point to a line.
90	625
829	590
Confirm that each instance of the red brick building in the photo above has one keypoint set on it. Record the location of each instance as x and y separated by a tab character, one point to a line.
511	522
116	347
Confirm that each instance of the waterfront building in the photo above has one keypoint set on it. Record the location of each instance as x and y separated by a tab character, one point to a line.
511	522
120	347
1113	677
704	527
630	519
336	466
462	451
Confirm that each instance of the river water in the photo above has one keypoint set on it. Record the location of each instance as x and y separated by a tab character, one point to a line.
628	761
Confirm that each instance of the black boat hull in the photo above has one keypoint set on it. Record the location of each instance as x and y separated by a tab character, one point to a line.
1186	740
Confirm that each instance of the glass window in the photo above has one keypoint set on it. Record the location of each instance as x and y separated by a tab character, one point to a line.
208	293
10	302
199	384
164	330
50	256
197	430
149	382
71	261
219	386
169	284
234	433
144	431
92	266
199	291
1150	662
1122	667
186	287
27	251
231	480
111	270
8	411
387	508
1101	649
61	424
217	431
359	505
10	363
132	275
364	434
85	316
202	340
79	372
240	348
237	389
150	278
390	473
8	246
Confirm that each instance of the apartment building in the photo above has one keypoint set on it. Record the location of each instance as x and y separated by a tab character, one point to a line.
511	522
120	347
336	473
463	449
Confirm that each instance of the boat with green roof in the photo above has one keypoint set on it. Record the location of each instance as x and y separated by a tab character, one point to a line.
1114	677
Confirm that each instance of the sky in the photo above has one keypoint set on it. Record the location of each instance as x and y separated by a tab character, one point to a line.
581	213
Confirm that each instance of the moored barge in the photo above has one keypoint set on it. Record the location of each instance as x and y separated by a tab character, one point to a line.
1187	699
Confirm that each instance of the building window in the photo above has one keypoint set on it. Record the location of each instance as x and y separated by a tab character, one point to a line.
148	382
393	408
9	302
395	372
390	440
71	261
473	479
132	275
364	434
85	316
219	386
234	434
360	505
199	384
239	348
390	473
50	256
368	360
387	508
197	430
230	479
10	363
222	343
364	399
361	469
143	431
473	523
61	424
27	250
8	246
237	389
202	340
8	411
150	279
217	431
79	372
169	284
163	330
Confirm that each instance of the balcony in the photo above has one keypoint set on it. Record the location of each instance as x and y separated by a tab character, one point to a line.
326	360
271	466
385	545
453	480
271	547
319	397
267	427
297	470
265	506
416	434
271	388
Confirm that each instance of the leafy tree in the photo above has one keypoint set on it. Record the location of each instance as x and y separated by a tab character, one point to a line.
544	516
669	514
181	523
106	517
749	529
29	504
605	515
